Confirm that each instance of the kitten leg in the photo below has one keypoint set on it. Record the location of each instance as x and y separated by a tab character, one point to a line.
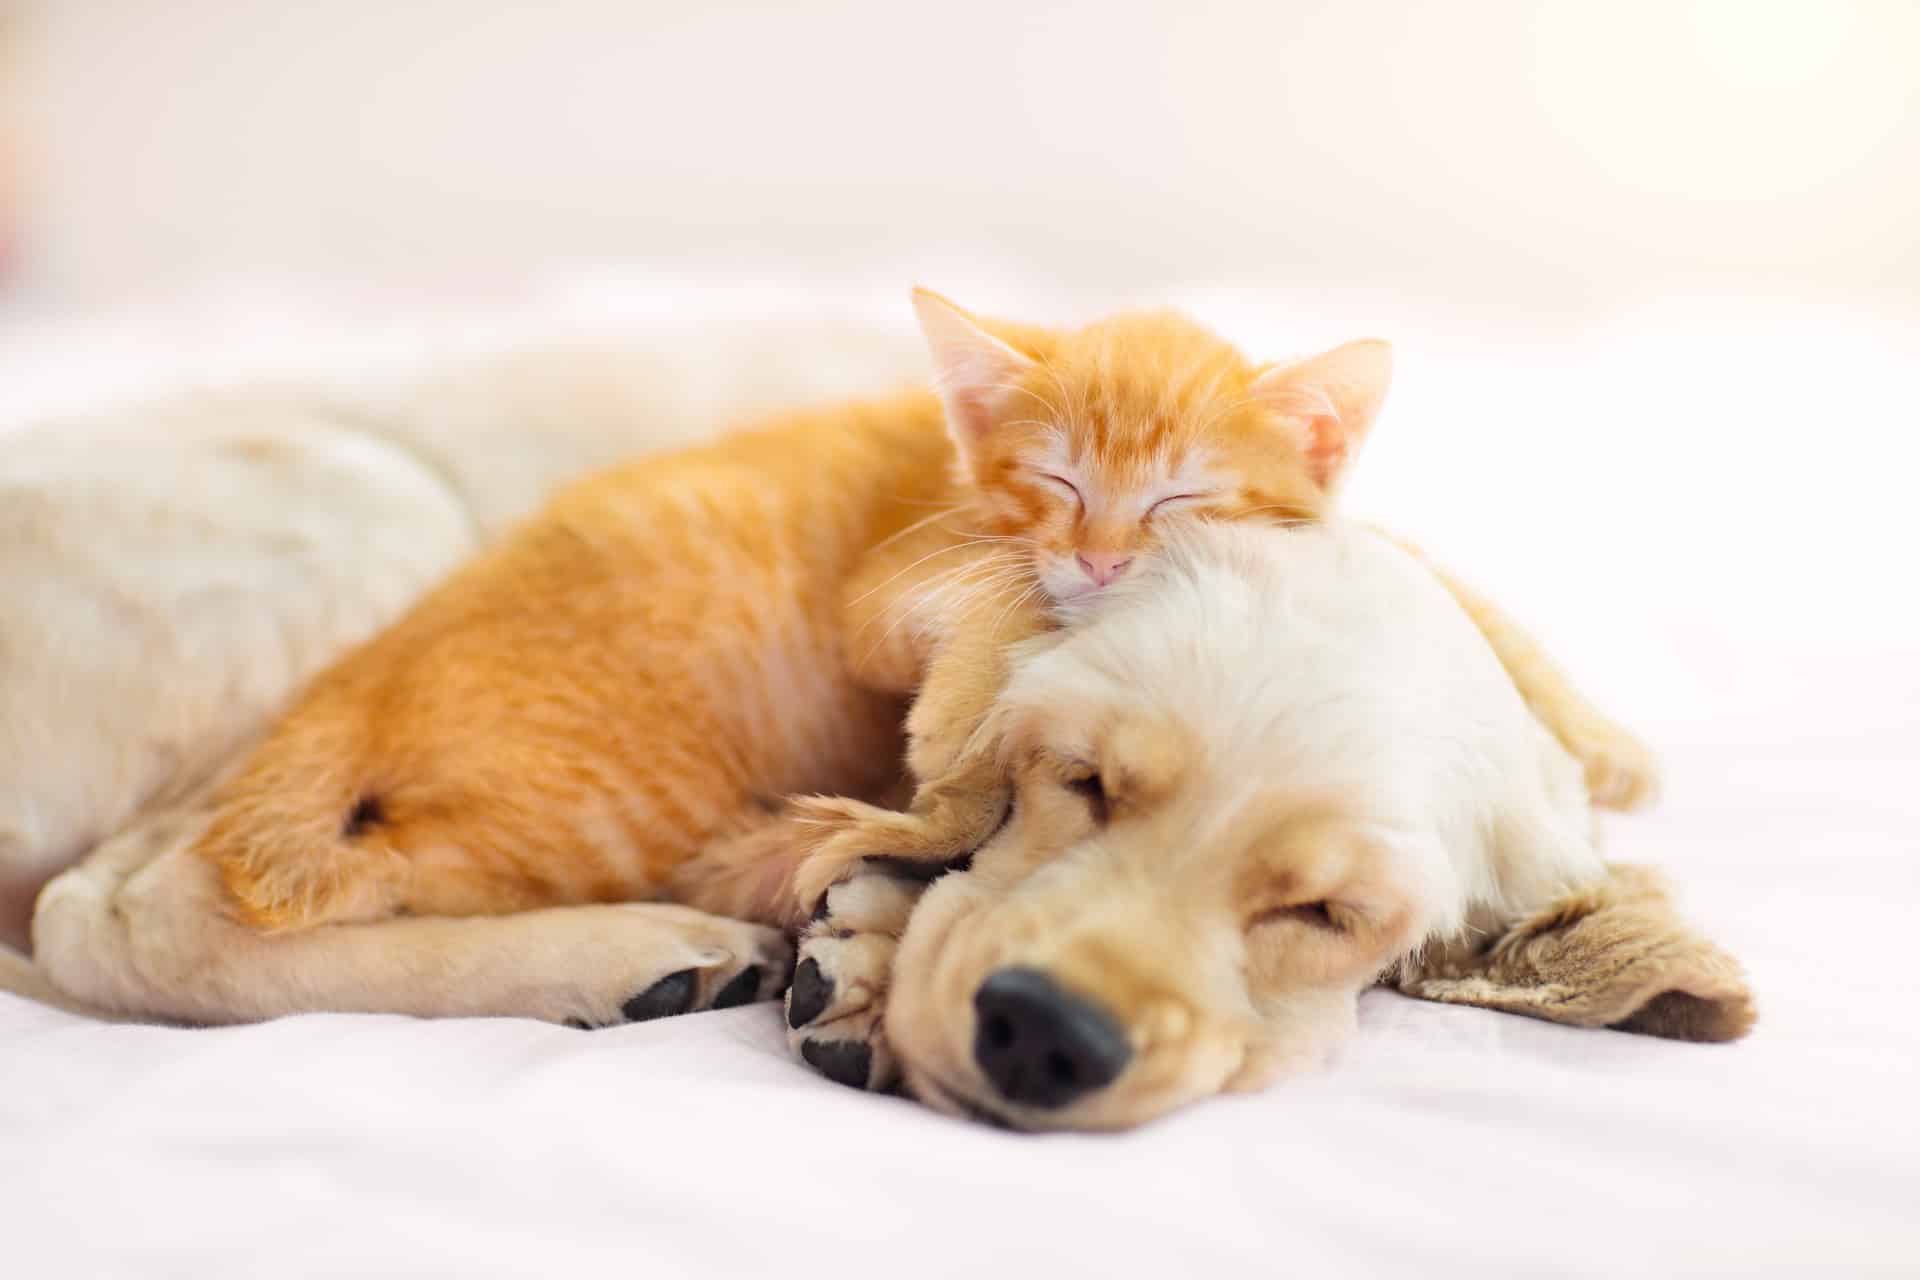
962	793
143	927
1621	771
750	873
968	670
849	838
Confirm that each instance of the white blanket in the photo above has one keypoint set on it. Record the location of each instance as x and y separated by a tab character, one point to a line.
1700	527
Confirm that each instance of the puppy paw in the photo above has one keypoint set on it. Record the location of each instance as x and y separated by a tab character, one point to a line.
1622	772
836	1007
737	964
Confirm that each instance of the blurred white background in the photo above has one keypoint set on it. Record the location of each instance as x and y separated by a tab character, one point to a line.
1653	268
1556	152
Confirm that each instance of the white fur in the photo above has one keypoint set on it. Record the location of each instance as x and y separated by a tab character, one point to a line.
167	586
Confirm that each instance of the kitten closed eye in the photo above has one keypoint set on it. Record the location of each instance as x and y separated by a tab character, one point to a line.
1064	483
1178	497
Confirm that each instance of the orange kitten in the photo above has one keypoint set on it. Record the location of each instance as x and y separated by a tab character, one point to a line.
611	703
1073	448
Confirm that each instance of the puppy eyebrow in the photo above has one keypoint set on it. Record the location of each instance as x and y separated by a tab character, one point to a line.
1271	885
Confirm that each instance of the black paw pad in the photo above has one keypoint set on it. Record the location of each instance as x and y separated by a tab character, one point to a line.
744	987
812	992
845	1062
672	994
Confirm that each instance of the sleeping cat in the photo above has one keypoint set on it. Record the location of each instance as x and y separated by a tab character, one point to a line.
611	704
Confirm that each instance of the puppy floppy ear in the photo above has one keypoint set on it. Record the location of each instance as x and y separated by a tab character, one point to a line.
1614	954
974	372
1328	402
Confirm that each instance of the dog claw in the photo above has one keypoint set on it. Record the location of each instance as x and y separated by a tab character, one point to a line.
743	989
812	992
844	1062
671	995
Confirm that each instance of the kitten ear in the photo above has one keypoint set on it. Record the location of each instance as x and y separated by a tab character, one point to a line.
1330	400
974	371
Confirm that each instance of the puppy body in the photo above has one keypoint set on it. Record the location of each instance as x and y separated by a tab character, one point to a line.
1246	786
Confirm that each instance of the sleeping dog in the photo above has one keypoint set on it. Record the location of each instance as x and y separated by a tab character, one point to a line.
142	927
1276	767
1279	767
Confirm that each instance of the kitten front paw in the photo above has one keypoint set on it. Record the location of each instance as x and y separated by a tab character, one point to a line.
853	838
836	1007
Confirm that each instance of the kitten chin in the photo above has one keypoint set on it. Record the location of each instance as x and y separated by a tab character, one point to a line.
1064	583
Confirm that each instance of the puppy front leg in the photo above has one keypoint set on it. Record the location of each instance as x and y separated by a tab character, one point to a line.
836	1007
144	928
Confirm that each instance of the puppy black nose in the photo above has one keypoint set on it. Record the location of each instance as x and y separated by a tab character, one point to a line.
1041	1045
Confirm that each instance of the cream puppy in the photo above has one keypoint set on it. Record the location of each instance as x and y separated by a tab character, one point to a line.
1245	786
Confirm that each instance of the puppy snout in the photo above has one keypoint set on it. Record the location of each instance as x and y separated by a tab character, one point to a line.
1041	1045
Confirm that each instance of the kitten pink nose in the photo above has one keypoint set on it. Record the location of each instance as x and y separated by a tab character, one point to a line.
1103	566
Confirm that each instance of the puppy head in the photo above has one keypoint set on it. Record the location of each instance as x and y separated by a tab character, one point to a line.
1165	915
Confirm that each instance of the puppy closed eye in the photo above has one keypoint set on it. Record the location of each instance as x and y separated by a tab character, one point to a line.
1315	915
1090	788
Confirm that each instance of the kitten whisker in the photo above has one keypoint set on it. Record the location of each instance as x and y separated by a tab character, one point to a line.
1013	604
1017	540
937	551
997	564
916	526
968	593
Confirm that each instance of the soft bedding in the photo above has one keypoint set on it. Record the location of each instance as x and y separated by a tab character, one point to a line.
1719	572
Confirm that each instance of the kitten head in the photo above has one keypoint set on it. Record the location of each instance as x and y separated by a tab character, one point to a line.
1084	442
